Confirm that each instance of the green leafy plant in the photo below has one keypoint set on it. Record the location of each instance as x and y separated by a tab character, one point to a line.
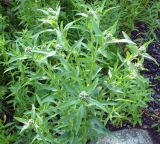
71	84
72	69
5	137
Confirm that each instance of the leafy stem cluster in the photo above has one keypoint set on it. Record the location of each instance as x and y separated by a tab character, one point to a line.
70	75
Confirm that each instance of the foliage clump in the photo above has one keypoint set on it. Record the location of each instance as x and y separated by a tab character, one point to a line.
70	70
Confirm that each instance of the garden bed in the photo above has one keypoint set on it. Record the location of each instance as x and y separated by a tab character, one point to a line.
72	69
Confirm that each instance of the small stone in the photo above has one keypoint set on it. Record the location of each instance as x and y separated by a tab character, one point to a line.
126	136
145	126
129	126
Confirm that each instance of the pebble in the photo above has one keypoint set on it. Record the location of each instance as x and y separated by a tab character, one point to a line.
126	136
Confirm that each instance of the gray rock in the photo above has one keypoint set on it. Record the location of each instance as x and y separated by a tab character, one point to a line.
126	136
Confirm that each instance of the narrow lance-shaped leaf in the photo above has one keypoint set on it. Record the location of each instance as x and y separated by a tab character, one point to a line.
99	128
120	41
112	29
67	104
49	54
82	14
80	114
22	120
33	113
96	103
68	26
149	57
97	31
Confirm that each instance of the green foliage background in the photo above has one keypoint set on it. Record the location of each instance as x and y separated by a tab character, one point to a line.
67	69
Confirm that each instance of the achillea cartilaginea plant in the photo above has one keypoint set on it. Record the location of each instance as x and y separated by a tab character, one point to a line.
71	76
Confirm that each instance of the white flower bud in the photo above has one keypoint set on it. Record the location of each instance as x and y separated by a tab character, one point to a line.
142	48
28	49
108	36
83	95
58	47
30	121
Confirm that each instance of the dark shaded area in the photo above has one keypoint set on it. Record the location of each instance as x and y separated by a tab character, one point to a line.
151	115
